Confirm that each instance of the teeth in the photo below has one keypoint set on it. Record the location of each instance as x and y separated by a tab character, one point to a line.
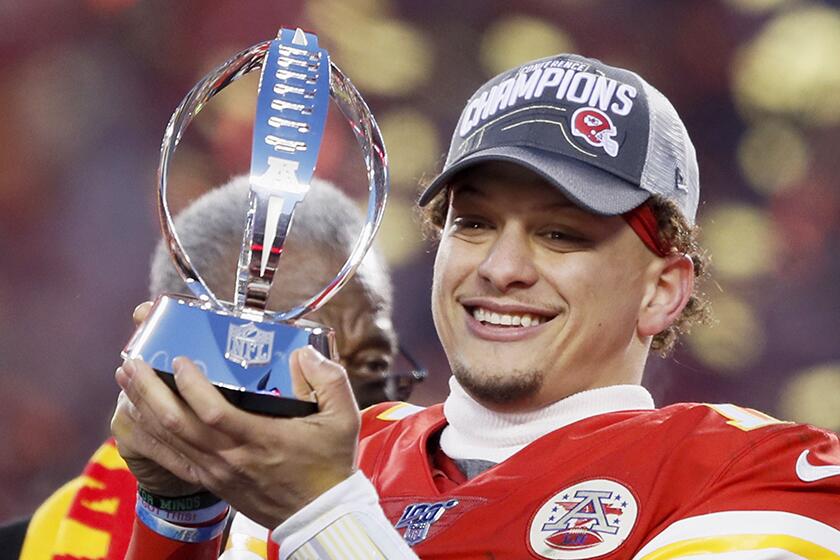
524	320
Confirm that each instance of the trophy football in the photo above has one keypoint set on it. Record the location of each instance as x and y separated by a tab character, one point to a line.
242	347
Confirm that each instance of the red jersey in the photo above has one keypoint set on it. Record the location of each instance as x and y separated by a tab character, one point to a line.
668	483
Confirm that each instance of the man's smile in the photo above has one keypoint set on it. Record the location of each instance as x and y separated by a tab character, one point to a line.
504	321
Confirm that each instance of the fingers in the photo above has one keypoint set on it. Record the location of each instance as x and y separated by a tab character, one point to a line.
142	451
327	378
208	404
141	312
300	387
163	413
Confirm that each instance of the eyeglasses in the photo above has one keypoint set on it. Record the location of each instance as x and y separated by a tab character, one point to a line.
394	385
398	385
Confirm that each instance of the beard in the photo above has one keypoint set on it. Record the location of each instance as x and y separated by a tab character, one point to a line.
499	388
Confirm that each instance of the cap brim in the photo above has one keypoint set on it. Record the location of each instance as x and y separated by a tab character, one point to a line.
587	186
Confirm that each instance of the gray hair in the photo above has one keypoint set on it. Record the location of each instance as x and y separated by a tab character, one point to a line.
324	229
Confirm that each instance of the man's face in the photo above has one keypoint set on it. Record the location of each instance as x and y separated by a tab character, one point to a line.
365	338
360	314
533	298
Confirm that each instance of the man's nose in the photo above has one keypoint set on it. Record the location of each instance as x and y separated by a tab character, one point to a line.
509	261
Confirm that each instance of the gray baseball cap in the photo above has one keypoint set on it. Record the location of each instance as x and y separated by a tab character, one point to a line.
602	135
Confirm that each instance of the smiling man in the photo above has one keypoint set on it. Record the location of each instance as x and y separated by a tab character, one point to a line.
567	252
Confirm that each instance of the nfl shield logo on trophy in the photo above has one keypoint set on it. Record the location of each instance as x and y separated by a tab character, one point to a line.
247	345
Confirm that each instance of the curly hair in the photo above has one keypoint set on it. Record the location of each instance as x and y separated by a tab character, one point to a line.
675	232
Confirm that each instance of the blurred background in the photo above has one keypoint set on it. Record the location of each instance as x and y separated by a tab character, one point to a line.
88	86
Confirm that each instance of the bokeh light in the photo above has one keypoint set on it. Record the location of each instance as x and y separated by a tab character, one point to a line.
773	155
741	240
397	238
516	39
384	55
733	341
812	396
412	144
792	68
759	6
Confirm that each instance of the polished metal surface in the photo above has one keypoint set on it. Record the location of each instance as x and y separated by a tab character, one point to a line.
234	352
243	348
367	134
292	102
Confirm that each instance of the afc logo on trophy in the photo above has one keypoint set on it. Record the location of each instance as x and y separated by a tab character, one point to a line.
248	345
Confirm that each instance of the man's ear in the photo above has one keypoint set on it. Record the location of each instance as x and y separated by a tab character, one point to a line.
667	295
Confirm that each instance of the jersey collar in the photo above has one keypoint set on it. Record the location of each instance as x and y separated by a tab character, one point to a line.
475	432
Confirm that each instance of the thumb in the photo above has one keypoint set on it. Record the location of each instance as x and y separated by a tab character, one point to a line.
327	379
141	312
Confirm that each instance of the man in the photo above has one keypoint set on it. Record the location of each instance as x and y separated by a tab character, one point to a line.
566	253
325	229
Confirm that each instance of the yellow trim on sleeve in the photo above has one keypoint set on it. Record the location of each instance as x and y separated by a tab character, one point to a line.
740	543
247	542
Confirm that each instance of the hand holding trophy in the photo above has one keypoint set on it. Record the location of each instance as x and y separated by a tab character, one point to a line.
242	347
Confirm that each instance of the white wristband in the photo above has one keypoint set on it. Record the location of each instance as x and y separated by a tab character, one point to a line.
192	517
177	532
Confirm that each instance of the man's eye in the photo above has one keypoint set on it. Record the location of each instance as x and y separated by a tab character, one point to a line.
377	366
565	237
467	223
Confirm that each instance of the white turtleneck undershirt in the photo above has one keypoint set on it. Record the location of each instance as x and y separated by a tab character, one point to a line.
475	432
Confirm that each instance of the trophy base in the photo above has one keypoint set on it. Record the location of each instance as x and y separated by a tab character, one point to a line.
245	358
259	403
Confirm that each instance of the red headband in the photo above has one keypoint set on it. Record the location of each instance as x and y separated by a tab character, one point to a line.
643	222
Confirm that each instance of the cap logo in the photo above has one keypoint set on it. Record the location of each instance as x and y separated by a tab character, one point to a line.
596	128
566	81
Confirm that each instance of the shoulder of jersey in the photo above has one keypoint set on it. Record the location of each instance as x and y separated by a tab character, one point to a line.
382	415
722	429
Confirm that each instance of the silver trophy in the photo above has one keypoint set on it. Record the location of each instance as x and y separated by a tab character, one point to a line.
242	347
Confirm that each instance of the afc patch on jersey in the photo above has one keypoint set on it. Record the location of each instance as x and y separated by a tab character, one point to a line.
416	519
588	519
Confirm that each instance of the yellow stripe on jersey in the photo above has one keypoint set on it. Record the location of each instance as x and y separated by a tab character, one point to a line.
399	411
726	532
745	419
344	538
741	543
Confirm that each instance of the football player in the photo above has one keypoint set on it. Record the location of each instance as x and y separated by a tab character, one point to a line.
567	253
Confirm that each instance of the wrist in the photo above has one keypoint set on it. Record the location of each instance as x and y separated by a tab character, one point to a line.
189	502
195	518
205	532
192	510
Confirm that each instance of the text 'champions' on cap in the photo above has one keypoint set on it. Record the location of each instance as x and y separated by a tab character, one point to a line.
602	135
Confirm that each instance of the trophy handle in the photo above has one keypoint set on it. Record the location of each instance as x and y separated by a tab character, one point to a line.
367	134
